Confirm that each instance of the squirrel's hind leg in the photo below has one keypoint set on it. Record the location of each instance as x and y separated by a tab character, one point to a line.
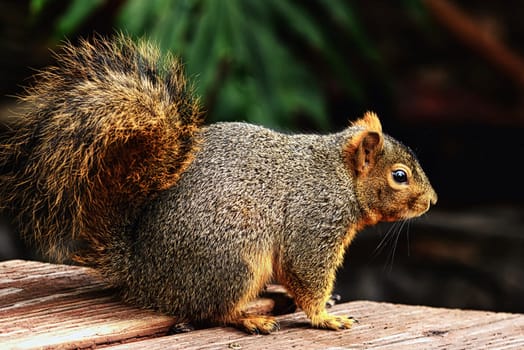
260	268
255	324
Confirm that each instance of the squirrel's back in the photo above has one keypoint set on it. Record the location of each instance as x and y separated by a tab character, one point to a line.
238	164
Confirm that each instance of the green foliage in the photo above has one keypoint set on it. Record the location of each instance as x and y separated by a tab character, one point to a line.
75	13
35	6
248	58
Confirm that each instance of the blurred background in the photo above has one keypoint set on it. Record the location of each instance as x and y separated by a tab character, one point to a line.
446	77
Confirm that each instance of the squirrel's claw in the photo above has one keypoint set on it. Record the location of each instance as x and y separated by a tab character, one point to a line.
335	298
332	322
256	324
182	327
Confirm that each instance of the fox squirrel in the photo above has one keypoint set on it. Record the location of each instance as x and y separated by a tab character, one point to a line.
110	164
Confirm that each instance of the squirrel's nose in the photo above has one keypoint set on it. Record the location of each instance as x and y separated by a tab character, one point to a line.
433	197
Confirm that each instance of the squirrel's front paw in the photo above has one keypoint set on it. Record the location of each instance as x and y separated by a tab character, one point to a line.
326	321
256	324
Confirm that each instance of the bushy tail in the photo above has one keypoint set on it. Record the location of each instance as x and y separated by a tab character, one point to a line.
109	126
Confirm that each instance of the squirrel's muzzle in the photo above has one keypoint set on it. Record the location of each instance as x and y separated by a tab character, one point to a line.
433	199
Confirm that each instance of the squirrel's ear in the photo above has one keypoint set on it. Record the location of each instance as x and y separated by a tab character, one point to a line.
369	121
362	148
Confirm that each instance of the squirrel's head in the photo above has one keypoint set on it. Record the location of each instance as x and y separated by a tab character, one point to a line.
389	181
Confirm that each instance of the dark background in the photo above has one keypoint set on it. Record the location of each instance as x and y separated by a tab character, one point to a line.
447	81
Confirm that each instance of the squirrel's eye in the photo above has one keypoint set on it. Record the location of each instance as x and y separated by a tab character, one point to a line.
400	176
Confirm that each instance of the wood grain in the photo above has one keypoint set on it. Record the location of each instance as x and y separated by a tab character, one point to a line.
46	306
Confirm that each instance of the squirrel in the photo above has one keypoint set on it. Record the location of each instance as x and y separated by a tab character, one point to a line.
112	165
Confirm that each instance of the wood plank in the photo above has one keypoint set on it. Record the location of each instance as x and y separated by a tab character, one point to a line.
380	326
48	305
55	306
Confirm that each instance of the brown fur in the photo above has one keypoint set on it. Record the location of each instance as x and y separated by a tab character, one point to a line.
108	127
369	121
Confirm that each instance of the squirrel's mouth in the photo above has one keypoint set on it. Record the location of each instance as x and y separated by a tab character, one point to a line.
421	207
411	210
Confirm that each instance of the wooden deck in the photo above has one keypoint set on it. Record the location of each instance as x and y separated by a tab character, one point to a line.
44	306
